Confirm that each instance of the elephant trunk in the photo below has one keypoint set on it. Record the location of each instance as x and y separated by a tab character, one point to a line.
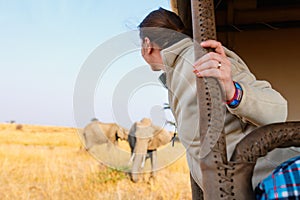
139	157
138	164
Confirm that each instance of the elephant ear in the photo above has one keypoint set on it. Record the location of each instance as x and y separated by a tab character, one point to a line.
132	129
160	138
122	133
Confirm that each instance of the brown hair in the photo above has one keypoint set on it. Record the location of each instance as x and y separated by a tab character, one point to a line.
162	27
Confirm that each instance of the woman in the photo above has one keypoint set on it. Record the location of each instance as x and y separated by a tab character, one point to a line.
250	103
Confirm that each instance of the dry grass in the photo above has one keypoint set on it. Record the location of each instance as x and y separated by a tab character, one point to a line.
38	162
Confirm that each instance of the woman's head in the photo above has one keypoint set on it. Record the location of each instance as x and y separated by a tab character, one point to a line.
162	27
159	30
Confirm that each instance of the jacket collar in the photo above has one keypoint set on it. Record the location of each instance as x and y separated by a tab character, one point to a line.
171	54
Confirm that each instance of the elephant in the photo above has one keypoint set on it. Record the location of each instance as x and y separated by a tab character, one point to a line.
144	138
96	133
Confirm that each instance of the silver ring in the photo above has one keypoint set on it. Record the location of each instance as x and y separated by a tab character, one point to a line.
219	65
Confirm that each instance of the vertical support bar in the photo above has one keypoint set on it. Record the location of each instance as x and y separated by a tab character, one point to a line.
209	92
204	27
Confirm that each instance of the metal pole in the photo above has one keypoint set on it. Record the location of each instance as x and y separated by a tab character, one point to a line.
209	93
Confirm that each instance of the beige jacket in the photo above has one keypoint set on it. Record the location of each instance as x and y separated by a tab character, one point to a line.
260	104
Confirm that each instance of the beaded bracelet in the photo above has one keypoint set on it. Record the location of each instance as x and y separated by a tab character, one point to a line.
238	94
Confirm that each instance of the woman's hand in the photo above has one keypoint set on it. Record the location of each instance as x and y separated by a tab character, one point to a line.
216	64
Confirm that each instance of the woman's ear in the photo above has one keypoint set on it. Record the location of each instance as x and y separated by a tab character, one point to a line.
147	45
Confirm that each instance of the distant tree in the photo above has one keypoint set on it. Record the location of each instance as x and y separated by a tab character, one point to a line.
167	106
175	138
94	119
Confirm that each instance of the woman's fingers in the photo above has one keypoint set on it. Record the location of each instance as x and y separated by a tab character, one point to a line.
212	56
212	72
217	46
214	59
206	65
218	54
215	64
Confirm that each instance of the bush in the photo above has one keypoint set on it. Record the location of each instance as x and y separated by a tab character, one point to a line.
110	175
19	127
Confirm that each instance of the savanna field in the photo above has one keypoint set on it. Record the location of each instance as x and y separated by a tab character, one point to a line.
45	162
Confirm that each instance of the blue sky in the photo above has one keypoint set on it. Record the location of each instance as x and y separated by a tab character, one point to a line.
43	46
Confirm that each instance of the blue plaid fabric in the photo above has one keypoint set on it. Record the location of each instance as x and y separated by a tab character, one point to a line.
283	183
